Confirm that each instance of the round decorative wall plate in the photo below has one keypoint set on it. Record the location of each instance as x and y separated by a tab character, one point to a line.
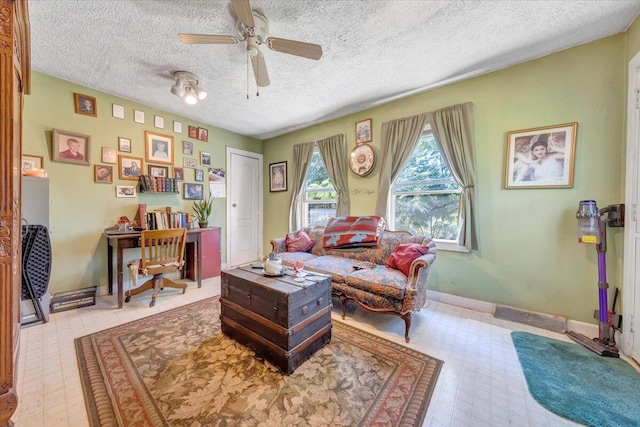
362	159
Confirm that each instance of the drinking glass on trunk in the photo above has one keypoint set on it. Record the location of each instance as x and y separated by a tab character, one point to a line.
298	266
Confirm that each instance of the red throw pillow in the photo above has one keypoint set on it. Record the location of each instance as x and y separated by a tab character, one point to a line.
404	255
298	242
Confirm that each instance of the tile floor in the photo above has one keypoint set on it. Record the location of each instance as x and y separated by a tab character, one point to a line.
481	383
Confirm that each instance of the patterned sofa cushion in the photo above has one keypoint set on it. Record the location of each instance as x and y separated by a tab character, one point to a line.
335	266
289	258
352	231
381	280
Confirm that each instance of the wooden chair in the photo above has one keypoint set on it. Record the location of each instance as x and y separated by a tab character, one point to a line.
162	252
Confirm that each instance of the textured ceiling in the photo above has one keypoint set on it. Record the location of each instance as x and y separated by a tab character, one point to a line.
373	51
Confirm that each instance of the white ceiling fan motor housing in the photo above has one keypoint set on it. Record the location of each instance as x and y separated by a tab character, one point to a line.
260	31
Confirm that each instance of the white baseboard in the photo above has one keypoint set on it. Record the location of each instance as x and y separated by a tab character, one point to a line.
588	329
473	304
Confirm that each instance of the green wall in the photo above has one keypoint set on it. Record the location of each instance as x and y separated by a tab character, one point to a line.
529	256
81	209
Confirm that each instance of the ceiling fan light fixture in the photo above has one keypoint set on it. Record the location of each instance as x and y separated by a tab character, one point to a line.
187	86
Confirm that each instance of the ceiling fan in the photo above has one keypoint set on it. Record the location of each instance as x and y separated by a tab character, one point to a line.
254	29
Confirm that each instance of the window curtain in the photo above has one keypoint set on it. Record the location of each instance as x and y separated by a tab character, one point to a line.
452	129
399	138
301	162
334	154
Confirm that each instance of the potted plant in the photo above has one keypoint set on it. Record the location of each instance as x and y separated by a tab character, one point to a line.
202	209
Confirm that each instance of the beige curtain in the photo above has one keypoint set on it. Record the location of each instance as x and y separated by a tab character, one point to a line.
399	138
452	129
301	162
334	154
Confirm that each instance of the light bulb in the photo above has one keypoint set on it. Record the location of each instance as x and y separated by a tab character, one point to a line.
201	93
190	96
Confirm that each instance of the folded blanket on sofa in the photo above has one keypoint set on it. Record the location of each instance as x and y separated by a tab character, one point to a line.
352	231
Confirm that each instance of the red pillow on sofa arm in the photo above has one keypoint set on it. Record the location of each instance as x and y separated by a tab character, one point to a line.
404	255
298	242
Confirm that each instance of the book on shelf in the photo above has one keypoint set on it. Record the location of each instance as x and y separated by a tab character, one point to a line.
142	215
162	219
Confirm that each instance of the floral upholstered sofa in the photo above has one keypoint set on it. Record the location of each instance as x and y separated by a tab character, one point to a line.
380	289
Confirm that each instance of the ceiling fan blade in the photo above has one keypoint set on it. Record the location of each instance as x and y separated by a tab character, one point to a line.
243	11
292	47
207	39
260	70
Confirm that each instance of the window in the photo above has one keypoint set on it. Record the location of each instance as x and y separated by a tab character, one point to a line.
319	200
425	197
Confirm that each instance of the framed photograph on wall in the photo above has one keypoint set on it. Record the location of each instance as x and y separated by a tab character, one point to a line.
158	148
205	158
125	191
193	191
363	131
187	148
138	116
189	163
85	104
103	174
199	175
159	171
117	111
278	177
109	155
193	132
203	134
541	157
178	174
31	162
158	121
70	147
130	167
124	145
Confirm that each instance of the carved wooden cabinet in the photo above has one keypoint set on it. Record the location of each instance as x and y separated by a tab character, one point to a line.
14	83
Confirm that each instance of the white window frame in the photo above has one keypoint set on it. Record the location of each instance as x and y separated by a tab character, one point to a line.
442	244
305	202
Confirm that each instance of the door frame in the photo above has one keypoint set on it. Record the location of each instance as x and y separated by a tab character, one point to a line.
630	273
229	152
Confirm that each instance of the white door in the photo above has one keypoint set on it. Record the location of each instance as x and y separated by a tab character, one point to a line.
631	289
244	207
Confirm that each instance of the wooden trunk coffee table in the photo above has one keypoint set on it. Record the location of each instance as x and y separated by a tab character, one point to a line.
283	321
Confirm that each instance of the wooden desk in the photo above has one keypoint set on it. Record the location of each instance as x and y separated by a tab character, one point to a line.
128	241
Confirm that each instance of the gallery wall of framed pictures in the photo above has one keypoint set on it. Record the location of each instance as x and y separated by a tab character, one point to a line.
142	141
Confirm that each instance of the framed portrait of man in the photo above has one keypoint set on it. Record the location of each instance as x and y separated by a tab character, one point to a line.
85	104
70	147
130	167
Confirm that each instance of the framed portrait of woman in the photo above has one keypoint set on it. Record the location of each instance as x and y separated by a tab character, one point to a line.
278	177
541	157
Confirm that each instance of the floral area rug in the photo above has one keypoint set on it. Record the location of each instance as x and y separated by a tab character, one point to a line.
178	369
